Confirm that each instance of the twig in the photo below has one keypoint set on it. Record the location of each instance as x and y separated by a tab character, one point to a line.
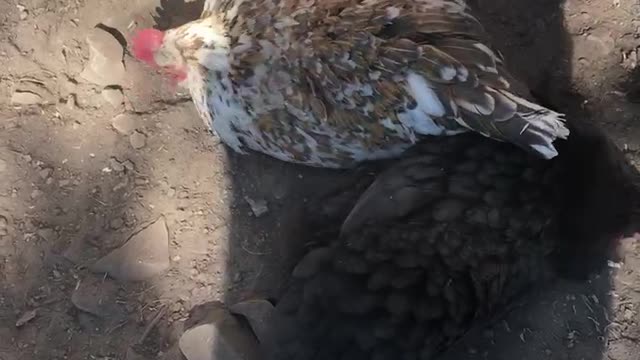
152	324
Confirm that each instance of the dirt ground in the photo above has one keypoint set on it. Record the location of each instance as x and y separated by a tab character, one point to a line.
88	164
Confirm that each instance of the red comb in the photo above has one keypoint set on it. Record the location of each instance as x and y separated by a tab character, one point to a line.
145	43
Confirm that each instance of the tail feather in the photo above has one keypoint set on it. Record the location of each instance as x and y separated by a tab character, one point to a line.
533	127
516	120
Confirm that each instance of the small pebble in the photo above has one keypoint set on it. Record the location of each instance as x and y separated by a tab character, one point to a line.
116	223
138	140
125	124
113	96
116	165
26	317
105	66
45	173
258	207
129	165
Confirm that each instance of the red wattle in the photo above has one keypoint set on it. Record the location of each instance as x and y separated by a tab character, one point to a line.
145	43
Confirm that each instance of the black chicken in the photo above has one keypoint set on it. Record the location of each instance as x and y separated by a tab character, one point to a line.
445	238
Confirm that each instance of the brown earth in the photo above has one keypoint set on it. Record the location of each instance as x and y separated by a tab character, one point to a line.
86	167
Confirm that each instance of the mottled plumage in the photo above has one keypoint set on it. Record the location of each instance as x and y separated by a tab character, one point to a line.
332	83
443	241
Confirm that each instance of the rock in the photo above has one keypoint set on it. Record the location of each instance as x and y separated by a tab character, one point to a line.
262	317
258	207
125	124
116	223
24	13
105	66
26	317
116	165
145	255
97	297
25	98
602	45
3	165
45	173
113	96
137	140
129	165
36	194
217	335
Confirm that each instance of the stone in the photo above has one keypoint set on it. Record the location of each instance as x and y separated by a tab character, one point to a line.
45	173
25	98
105	66
116	223
26	317
261	315
129	165
125	124
217	335
36	194
146	254
116	165
259	207
3	165
113	96
137	140
96	296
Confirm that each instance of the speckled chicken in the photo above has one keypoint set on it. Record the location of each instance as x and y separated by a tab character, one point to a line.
445	239
331	83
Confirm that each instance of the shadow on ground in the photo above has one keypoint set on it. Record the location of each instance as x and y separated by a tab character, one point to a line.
571	318
65	204
62	213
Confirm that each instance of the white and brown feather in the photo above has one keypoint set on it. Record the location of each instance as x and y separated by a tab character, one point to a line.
331	83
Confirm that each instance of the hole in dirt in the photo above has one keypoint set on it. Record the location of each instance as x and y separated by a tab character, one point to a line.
113	87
